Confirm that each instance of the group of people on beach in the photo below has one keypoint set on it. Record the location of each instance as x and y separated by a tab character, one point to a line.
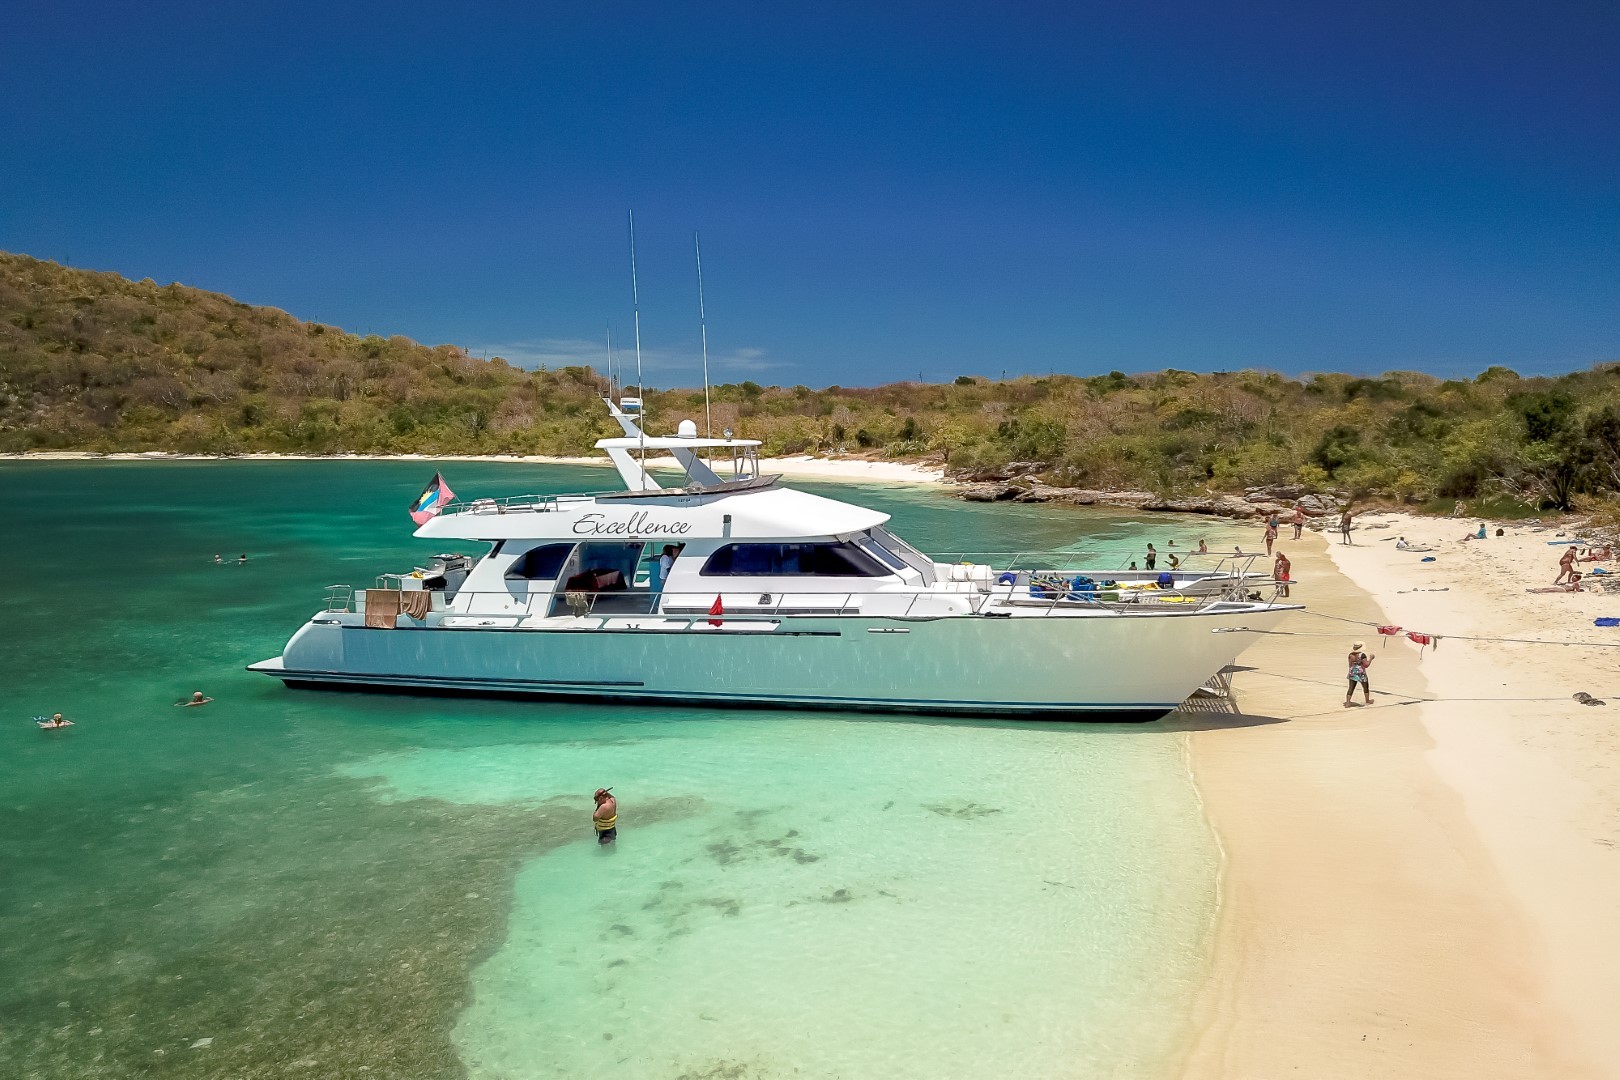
1568	576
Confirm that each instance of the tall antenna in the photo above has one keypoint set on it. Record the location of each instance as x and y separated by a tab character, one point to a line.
635	306
703	329
612	386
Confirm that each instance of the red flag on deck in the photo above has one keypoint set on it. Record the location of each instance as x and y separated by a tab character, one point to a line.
716	609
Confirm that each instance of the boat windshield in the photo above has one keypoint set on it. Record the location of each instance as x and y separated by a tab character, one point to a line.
885	543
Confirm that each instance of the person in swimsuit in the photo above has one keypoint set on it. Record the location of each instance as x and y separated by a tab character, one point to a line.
606	816
1344	527
57	720
195	699
1280	570
1152	557
1203	548
1299	519
1359	663
1566	565
1271	533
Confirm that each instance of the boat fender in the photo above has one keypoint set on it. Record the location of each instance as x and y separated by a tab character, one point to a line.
1008	578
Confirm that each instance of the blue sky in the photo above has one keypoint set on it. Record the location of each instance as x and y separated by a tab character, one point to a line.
883	190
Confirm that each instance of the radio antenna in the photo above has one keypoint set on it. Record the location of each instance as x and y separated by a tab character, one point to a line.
703	330
613	391
641	391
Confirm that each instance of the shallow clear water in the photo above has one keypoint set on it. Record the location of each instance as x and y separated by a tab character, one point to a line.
317	882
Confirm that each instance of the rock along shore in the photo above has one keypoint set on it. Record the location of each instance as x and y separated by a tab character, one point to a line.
1253	503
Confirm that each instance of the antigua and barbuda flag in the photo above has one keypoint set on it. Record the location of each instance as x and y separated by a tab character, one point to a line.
434	498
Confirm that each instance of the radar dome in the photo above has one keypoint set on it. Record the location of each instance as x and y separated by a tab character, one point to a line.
687	430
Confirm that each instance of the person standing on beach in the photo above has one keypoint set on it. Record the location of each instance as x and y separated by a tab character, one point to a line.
1359	663
1299	519
605	818
1344	526
1280	571
1566	565
1271	533
1152	558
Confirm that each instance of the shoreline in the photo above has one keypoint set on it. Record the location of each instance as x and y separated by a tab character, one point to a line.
1404	892
802	466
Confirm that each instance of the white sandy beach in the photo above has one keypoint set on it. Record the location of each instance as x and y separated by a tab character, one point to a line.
803	466
1426	887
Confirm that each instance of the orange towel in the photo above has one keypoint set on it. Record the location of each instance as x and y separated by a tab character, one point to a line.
416	603
382	608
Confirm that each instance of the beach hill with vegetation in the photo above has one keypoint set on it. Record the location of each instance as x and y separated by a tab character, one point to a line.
94	361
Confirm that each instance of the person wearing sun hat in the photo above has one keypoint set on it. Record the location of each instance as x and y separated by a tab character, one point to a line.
1359	662
606	816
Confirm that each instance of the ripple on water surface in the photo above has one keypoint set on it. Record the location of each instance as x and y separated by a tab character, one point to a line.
843	898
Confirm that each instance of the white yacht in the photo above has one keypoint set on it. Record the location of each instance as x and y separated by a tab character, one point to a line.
775	597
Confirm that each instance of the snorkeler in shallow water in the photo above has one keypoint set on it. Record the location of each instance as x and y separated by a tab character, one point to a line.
195	699
57	720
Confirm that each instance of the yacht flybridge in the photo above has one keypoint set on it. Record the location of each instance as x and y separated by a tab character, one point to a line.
771	597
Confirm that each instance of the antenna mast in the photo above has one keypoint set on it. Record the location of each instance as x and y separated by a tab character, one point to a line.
612	386
635	306
703	329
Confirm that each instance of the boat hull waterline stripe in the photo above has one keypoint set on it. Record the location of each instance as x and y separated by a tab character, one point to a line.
627	691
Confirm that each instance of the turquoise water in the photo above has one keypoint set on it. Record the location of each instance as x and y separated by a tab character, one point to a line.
295	883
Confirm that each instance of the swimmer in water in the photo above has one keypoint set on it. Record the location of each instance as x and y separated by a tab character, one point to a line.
57	720
243	559
218	561
195	699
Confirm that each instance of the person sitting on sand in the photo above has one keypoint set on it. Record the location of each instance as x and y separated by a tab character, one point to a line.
1566	564
195	699
1596	554
1477	534
1401	544
57	720
1359	663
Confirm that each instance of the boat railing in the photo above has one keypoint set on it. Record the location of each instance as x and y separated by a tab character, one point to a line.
1080	561
522	504
1043	597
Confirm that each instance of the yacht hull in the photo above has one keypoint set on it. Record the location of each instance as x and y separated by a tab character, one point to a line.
1123	667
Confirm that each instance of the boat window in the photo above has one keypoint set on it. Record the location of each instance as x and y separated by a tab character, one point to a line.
889	558
792	560
542	563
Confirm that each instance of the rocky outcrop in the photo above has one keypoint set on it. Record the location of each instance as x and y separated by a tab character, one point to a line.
1255	503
